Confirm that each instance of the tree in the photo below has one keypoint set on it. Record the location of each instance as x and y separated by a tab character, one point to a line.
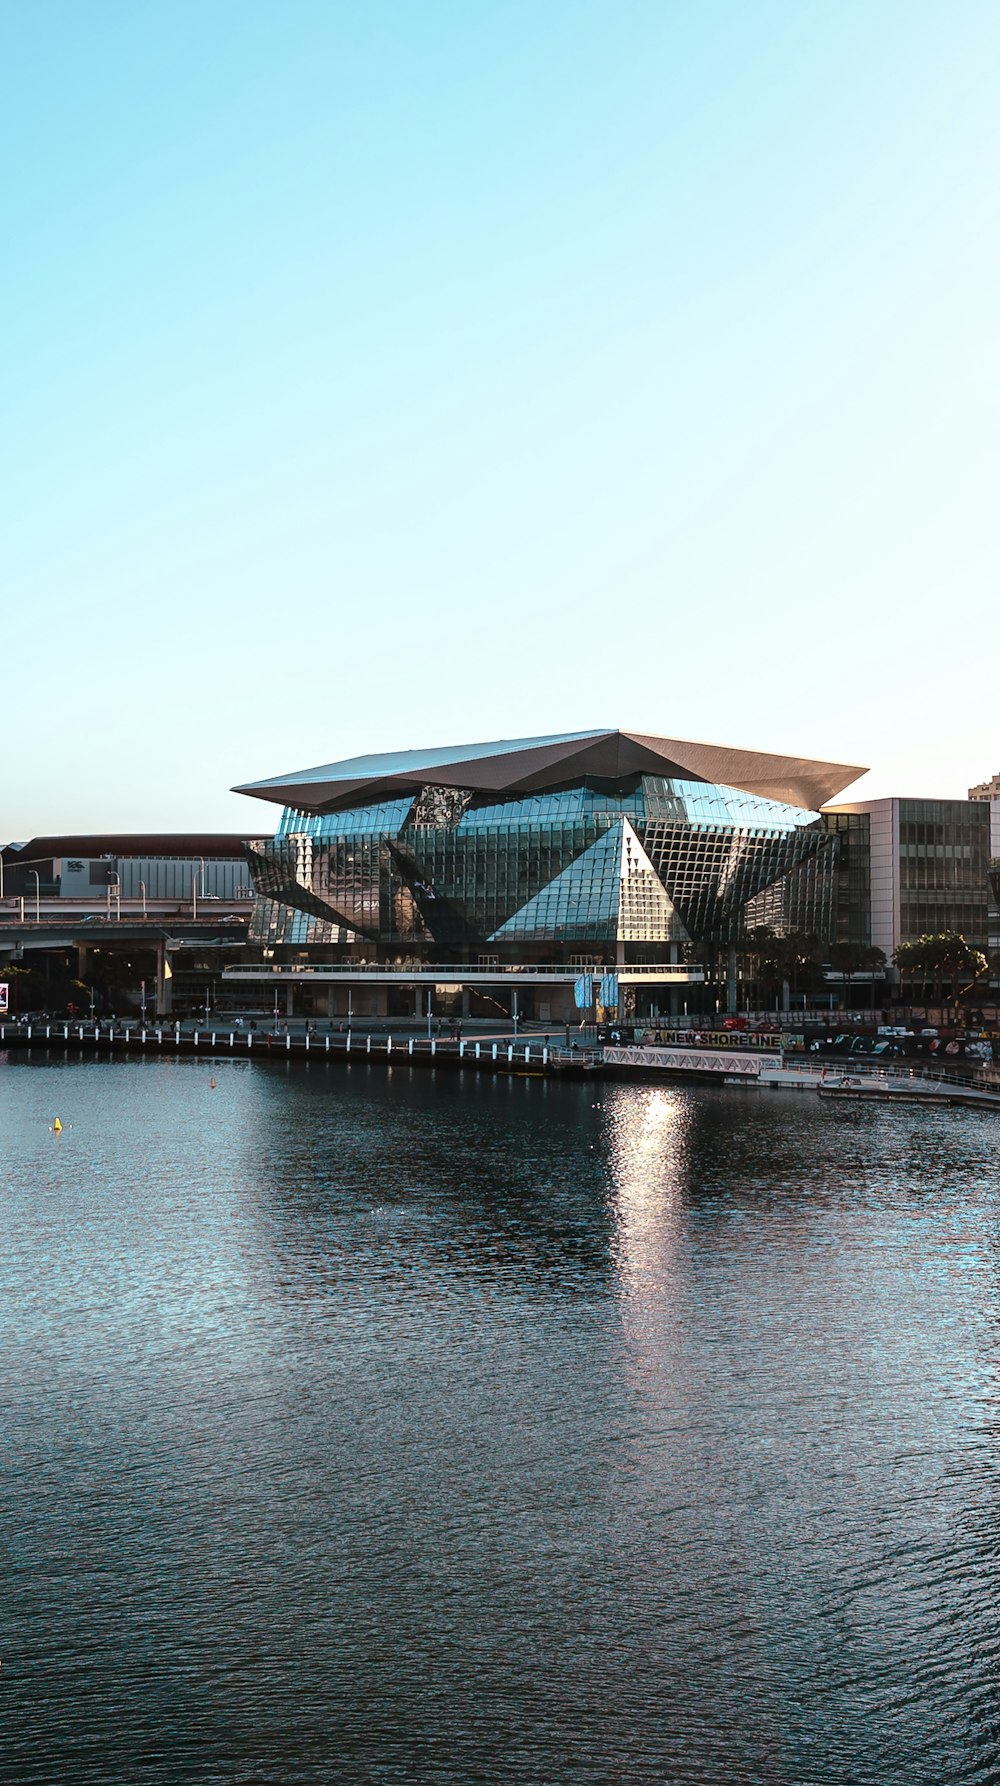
846	959
911	959
758	959
42	985
794	957
944	956
873	963
959	960
849	959
801	956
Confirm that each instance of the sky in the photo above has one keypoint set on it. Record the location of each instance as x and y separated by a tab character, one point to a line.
384	376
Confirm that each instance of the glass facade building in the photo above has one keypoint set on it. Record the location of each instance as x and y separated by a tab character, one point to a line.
853	896
608	845
944	858
914	868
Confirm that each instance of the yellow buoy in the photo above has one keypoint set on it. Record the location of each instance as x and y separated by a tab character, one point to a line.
57	1126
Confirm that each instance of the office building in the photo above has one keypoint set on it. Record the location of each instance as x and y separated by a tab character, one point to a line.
910	868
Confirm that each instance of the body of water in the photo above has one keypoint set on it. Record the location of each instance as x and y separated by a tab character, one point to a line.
383	1427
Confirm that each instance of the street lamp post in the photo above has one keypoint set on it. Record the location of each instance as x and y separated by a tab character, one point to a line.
142	890
38	895
194	896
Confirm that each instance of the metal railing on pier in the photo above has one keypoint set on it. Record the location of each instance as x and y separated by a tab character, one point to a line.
534	1054
852	1068
487	970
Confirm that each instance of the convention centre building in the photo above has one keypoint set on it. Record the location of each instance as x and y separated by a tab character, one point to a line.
543	856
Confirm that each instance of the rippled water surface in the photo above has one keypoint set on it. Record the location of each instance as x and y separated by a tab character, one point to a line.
392	1427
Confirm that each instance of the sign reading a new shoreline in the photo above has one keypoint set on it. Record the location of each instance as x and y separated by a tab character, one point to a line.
694	1060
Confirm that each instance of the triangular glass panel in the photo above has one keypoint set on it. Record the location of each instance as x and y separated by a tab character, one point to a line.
610	893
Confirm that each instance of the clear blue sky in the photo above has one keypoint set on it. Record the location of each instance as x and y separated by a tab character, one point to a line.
386	375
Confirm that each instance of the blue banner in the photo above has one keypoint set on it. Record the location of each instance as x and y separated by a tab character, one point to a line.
584	992
609	990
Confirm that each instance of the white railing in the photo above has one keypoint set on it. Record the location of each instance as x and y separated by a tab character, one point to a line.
68	911
898	1072
467	969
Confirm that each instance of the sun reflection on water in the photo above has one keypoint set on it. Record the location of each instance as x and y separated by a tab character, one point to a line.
646	1136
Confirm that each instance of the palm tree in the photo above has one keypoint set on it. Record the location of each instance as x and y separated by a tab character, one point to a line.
849	959
798	957
873	963
845	959
757	951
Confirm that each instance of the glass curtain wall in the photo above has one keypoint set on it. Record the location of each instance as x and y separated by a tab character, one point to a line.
944	860
439	875
852	892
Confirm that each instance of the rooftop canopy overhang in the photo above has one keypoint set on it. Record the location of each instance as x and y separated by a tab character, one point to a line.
539	765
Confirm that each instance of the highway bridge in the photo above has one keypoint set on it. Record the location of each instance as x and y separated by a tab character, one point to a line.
172	941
